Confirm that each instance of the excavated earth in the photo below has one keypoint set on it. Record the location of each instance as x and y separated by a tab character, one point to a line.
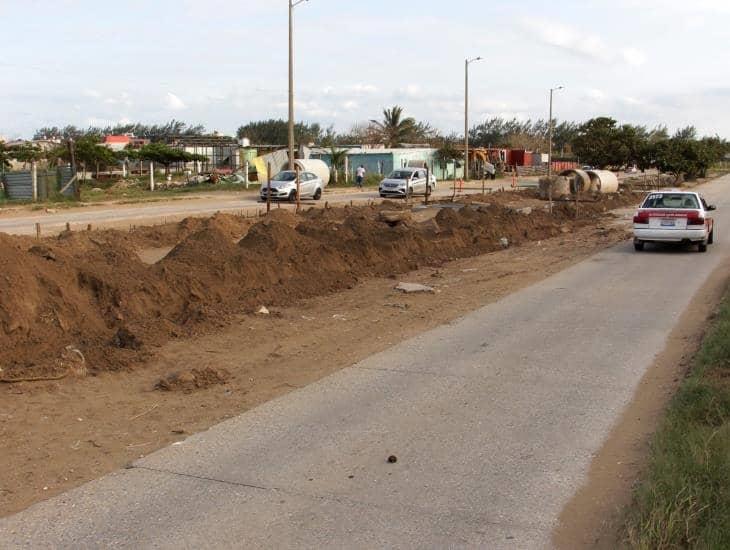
86	302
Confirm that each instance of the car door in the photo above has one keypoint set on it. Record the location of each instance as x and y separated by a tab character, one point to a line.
306	184
421	182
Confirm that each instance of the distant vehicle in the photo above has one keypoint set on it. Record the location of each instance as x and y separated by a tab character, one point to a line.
411	179
674	217
588	167
284	186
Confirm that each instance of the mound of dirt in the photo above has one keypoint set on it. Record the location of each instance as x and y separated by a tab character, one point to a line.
194	379
90	290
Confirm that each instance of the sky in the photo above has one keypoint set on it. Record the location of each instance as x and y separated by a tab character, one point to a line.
223	63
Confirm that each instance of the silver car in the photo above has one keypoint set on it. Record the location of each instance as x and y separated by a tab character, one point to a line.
284	186
412	179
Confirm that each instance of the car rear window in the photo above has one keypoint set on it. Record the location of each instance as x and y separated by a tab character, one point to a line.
671	200
400	175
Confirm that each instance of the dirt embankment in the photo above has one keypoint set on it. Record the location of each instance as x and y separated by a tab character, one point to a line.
88	298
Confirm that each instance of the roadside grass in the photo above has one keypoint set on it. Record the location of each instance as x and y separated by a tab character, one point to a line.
684	502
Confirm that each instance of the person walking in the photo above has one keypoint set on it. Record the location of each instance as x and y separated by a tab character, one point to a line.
490	171
360	176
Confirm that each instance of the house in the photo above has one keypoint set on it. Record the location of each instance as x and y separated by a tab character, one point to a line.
119	143
383	161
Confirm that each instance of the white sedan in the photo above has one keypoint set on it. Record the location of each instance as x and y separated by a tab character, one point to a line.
284	186
674	217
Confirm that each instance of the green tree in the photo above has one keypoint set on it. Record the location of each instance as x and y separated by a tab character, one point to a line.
337	157
394	130
600	142
153	132
5	156
89	152
166	155
27	153
276	132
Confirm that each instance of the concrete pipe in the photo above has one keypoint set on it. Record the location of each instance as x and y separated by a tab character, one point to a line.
603	182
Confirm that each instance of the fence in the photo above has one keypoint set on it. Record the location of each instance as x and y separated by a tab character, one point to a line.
19	185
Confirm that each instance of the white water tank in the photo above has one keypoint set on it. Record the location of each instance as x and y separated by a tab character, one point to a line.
318	167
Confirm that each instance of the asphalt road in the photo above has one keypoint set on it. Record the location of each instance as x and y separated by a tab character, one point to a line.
494	419
24	222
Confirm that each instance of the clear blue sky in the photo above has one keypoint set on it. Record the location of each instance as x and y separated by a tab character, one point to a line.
224	62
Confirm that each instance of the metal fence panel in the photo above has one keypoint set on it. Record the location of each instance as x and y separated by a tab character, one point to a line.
18	185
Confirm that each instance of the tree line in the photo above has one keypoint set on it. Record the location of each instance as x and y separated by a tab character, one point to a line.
600	142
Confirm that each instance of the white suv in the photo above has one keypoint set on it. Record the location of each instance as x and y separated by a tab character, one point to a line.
674	217
413	179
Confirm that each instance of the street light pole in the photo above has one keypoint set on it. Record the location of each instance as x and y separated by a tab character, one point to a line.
550	132
292	5
466	115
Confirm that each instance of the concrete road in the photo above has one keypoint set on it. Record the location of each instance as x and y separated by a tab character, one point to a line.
494	420
122	216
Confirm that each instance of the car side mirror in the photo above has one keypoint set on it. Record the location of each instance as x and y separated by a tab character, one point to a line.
712	207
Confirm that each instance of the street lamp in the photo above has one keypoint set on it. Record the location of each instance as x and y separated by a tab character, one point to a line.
467	62
550	132
292	4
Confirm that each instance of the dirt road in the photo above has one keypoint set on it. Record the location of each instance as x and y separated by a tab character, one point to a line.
494	419
123	216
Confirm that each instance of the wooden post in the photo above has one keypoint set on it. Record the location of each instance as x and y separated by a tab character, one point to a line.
68	226
88	227
347	169
268	187
245	173
37	231
296	168
483	185
34	179
152	176
428	184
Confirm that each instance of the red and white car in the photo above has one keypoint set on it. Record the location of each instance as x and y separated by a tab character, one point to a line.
674	217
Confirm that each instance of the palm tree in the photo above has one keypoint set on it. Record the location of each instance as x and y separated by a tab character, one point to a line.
337	156
394	130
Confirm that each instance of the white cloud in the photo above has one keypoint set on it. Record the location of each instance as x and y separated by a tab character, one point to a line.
174	103
582	42
633	57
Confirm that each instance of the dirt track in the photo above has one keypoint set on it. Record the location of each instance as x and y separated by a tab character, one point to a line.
187	320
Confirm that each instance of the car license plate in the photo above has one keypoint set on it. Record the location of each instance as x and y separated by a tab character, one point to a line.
668	222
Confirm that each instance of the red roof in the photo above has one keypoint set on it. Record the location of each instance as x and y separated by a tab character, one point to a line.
117	139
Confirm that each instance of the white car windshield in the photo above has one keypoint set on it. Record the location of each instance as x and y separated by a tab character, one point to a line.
671	200
400	175
286	175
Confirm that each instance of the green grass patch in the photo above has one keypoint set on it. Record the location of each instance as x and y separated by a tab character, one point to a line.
684	502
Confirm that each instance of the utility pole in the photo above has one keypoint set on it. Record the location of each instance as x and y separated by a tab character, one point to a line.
466	115
292	4
550	132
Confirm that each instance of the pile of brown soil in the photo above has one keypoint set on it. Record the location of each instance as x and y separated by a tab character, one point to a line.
91	291
194	379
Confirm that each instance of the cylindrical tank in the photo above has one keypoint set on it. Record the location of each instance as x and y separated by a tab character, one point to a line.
318	167
603	181
579	180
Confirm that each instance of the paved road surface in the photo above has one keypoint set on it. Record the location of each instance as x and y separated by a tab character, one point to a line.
494	419
146	213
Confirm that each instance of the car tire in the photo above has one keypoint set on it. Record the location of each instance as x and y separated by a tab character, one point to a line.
638	246
711	238
702	247
292	196
317	194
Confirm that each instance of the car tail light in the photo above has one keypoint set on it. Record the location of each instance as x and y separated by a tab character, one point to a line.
695	218
641	217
